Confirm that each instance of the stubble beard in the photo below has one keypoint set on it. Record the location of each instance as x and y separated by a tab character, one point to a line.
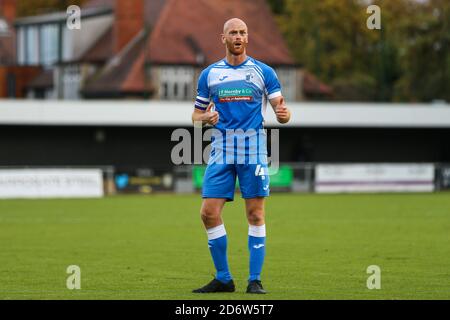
236	52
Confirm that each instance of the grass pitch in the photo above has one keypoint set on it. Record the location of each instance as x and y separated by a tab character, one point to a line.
154	247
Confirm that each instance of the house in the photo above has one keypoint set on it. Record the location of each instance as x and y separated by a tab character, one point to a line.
13	79
147	49
46	41
183	42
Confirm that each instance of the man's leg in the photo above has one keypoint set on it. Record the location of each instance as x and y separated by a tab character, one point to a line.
256	242
211	211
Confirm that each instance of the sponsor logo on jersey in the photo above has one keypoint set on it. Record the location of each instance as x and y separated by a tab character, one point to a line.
230	95
249	76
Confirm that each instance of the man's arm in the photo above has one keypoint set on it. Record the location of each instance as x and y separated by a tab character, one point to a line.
281	111
205	117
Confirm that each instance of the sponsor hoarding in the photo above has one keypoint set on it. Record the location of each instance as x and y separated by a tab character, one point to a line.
374	178
51	183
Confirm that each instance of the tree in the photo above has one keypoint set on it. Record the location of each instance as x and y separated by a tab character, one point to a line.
424	41
407	60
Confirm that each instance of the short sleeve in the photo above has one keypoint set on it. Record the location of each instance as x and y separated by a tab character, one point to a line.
272	83
202	99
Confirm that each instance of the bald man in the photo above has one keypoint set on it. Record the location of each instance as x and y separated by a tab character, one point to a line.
232	95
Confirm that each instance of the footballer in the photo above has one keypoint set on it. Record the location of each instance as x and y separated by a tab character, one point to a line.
232	95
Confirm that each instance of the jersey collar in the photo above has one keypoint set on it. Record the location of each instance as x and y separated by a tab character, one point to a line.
239	65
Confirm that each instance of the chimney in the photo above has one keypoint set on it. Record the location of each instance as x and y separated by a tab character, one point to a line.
129	21
8	9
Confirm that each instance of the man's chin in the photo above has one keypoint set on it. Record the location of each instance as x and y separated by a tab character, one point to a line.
237	52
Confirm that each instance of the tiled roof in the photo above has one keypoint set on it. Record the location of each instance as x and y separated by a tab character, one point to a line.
128	75
124	73
152	11
152	8
183	32
102	50
187	26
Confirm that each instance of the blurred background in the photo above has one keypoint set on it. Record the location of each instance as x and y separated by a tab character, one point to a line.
91	111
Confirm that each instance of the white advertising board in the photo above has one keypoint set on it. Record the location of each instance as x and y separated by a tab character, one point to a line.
51	183
374	178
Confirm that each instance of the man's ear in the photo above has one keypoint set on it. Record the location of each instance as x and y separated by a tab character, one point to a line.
223	38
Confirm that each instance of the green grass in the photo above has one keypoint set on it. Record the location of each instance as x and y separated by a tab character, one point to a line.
154	247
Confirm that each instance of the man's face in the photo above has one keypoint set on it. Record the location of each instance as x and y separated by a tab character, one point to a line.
235	37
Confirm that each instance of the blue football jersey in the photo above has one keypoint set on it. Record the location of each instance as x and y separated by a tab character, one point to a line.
240	94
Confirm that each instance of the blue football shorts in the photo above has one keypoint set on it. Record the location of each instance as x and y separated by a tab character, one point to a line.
219	180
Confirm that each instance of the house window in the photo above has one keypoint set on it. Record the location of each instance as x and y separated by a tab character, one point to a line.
176	82
49	44
32	45
67	45
21	47
165	91
71	79
38	45
4	30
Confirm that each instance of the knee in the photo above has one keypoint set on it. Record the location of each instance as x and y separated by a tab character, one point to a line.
209	214
255	217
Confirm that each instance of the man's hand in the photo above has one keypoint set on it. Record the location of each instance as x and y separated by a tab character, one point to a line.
282	112
200	118
211	117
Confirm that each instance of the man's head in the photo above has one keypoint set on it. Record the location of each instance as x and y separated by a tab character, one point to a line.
235	36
